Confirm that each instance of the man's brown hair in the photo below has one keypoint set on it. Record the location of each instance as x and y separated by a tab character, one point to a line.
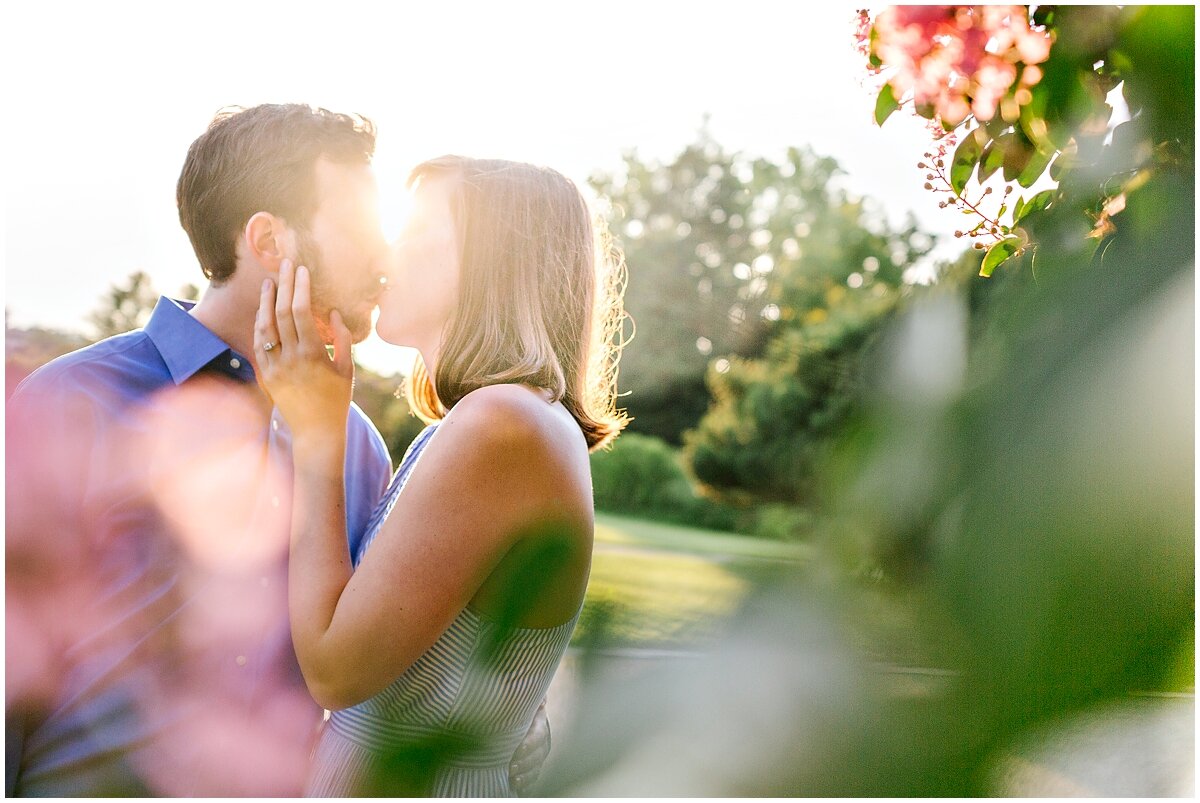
261	159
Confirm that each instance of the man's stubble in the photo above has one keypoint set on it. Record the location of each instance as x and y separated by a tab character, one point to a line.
328	294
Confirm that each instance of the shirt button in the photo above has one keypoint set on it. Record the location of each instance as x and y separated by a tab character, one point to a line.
275	424
241	660
235	363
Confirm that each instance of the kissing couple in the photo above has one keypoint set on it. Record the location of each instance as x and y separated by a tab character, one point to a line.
207	543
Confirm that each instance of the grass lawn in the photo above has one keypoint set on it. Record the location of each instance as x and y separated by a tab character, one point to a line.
665	585
614	529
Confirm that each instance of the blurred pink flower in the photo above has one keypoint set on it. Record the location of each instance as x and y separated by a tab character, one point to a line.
226	749
953	110
227	497
992	81
1030	75
1033	47
956	60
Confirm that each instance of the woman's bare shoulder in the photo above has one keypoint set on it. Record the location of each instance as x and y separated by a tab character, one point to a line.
511	417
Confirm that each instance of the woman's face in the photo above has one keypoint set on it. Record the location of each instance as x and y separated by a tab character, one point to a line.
422	271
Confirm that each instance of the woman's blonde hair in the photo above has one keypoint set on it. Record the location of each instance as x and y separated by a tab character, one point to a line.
540	295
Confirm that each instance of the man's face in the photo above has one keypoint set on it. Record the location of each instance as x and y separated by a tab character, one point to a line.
341	245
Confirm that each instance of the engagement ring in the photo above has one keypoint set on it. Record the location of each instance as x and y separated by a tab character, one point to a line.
269	346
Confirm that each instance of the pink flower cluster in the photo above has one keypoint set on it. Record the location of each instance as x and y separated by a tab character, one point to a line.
957	60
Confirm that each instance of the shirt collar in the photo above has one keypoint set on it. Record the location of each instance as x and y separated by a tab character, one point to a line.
186	345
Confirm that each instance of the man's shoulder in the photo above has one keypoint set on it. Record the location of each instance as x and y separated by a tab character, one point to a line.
364	435
115	361
360	422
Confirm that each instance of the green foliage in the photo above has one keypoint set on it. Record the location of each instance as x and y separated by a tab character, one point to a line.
763	280
128	306
719	246
992	157
1060	120
885	104
1035	204
1037	495
1056	522
1019	480
644	476
999	253
772	416
1099	50
966	157
782	522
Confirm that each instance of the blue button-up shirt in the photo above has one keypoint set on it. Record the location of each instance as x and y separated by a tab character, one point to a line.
148	512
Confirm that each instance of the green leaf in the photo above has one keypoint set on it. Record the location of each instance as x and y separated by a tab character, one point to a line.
966	156
1034	204
1017	207
1017	153
992	158
1064	162
885	104
1000	253
1034	168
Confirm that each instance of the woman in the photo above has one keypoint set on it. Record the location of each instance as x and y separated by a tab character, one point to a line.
434	645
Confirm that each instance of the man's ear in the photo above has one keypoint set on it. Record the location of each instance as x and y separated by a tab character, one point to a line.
268	240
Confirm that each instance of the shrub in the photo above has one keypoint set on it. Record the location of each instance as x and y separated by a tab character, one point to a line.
781	522
643	476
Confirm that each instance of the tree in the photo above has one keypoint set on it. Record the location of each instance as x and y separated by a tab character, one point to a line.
835	269
125	306
711	238
128	306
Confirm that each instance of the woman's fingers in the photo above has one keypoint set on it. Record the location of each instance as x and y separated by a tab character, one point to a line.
266	334
284	322
343	362
310	339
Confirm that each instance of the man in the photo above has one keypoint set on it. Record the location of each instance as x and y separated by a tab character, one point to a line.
149	492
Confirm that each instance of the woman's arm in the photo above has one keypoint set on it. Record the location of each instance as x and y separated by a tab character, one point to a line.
313	393
485	480
319	563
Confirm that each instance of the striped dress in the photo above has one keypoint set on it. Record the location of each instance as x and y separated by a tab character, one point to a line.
449	725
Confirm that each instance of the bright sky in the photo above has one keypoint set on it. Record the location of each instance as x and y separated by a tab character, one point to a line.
103	99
